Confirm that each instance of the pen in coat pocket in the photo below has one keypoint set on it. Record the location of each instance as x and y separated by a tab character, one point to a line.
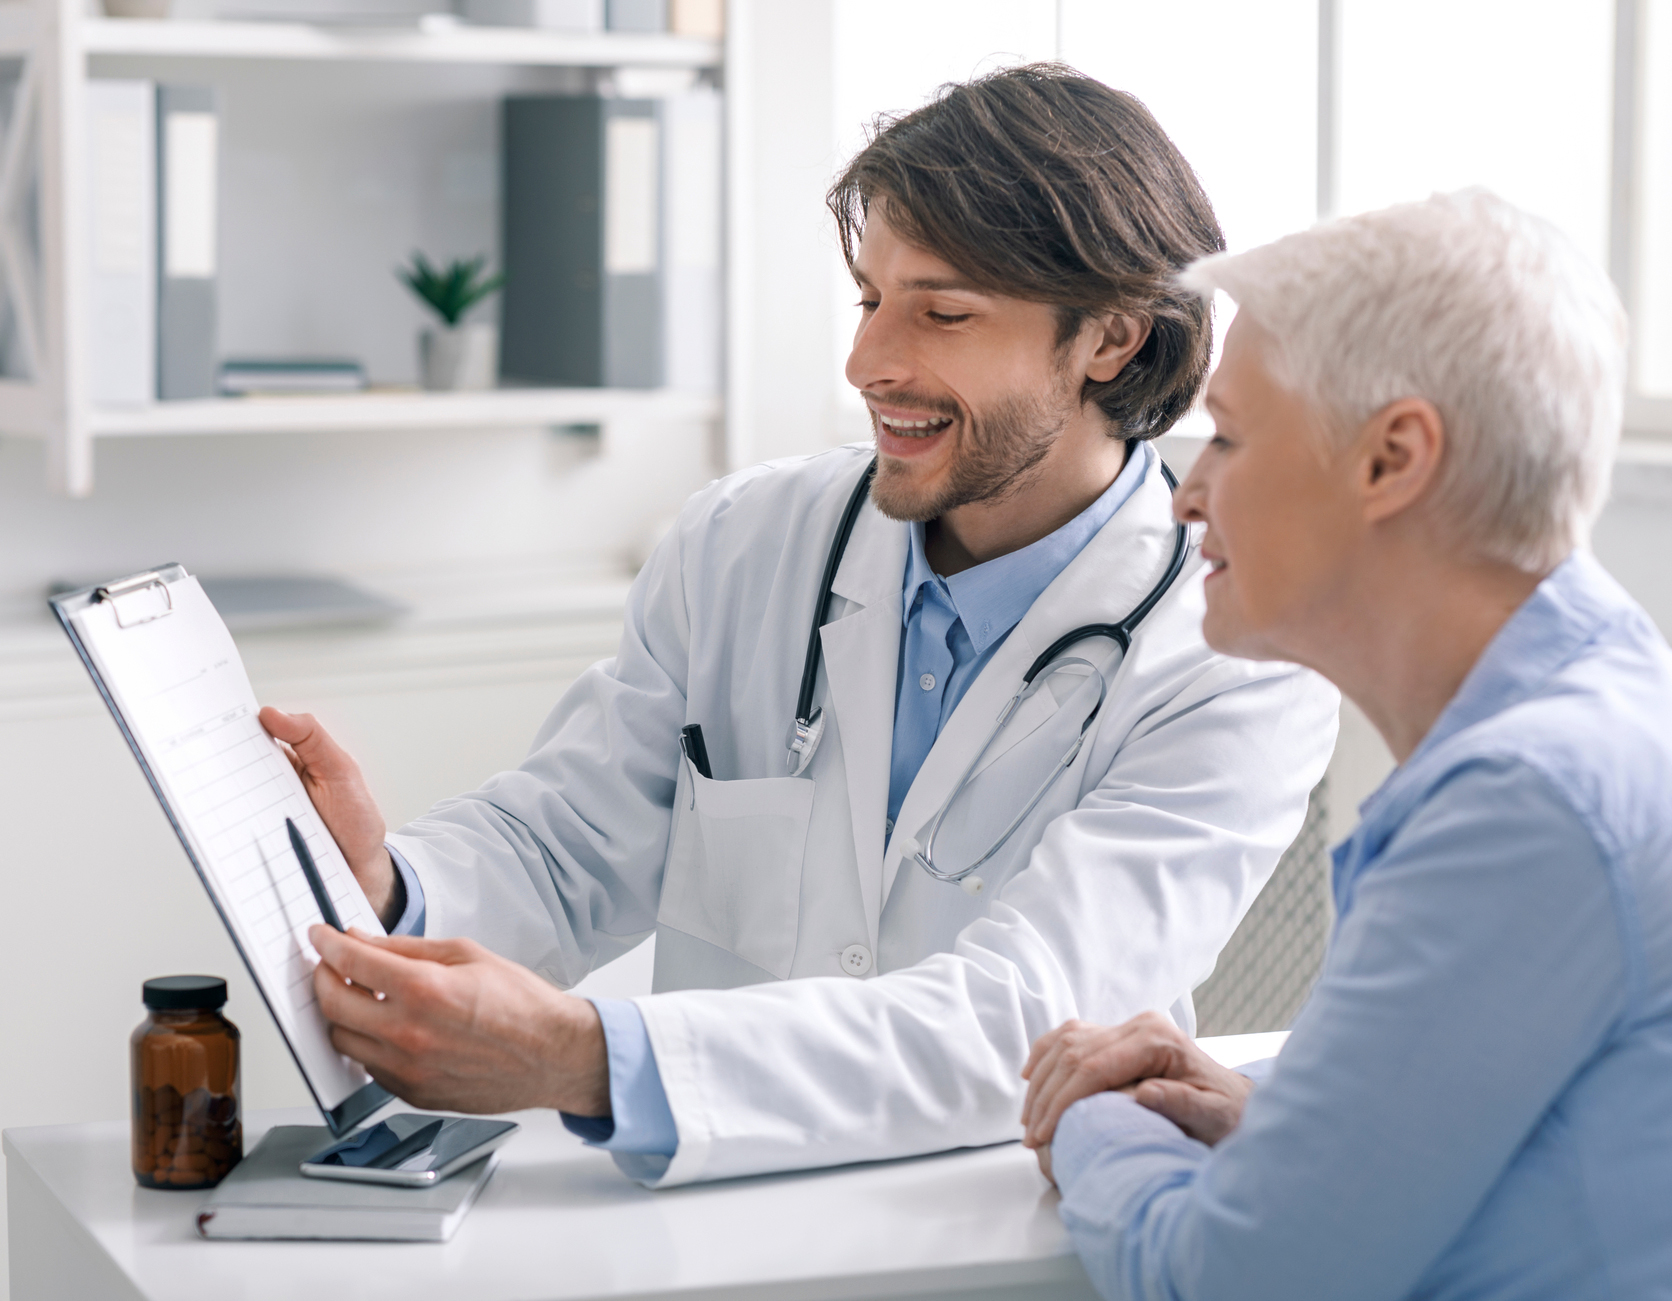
696	749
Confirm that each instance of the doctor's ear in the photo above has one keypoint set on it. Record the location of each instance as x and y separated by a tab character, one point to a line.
1115	338
1399	450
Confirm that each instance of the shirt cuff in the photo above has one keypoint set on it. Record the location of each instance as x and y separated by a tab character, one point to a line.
1112	1124
411	921
1257	1071
641	1122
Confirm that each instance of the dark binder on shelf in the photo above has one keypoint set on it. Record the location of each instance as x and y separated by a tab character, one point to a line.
188	132
169	673
582	240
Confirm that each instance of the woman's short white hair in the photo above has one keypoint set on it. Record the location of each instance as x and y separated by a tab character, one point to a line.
1488	312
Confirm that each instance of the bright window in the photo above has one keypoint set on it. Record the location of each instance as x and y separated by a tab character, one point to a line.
1652	296
1234	84
1514	95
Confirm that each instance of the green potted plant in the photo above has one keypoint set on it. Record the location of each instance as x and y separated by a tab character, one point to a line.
459	354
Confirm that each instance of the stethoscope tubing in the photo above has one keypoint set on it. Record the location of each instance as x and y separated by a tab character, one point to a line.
925	855
805	731
821	611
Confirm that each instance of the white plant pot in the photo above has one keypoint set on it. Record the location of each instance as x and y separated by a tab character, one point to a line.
460	357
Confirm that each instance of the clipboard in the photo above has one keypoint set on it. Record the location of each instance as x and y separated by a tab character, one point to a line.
258	891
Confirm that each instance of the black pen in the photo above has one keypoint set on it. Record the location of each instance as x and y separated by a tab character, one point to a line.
312	873
696	749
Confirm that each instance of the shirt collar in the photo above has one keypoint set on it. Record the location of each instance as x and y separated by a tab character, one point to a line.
991	598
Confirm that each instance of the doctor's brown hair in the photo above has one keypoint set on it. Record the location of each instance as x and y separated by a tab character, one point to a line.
1041	184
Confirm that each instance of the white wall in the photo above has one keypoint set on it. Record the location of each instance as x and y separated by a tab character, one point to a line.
350	502
1634	536
781	154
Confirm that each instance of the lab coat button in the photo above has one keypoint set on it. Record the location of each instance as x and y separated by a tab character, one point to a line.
856	959
927	682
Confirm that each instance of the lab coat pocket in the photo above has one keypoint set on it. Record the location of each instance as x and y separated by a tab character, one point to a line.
733	874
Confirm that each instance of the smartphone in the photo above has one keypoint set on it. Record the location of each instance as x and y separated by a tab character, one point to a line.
411	1149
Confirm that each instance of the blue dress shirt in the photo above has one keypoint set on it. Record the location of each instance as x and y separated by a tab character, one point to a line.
1473	1102
952	627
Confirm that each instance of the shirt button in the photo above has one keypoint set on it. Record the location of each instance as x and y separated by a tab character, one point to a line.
888	827
856	959
927	682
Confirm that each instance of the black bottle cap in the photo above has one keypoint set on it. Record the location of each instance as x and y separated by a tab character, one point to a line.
185	993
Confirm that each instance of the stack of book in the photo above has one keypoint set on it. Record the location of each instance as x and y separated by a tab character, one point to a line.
254	376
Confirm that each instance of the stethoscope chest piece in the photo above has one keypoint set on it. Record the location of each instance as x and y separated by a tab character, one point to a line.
802	741
911	848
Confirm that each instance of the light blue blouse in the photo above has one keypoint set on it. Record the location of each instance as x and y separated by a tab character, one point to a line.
1477	1099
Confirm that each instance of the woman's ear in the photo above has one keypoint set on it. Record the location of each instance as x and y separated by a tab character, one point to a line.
1400	448
1118	338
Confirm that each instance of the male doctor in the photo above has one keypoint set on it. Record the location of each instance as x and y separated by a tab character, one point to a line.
824	993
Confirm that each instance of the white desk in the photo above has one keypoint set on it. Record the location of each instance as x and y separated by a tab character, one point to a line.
558	1221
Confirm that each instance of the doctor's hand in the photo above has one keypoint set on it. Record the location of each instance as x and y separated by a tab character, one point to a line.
453	1026
1149	1058
344	803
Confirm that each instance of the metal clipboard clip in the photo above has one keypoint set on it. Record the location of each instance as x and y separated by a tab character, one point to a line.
115	593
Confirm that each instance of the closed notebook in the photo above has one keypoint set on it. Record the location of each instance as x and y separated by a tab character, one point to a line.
266	1197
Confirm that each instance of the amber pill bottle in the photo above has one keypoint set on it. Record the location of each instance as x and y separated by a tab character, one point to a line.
187	1132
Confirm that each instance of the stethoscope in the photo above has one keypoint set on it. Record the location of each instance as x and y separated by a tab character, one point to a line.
808	728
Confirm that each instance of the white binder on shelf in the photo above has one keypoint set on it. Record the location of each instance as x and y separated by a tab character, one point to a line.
168	671
122	234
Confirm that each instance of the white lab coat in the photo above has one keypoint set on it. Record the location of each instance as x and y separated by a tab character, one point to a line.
910	1004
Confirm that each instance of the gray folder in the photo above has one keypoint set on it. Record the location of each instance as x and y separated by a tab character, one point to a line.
187	257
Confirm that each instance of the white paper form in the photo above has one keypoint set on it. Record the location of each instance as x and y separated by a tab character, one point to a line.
182	690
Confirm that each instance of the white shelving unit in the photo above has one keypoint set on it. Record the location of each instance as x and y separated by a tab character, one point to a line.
501	408
448	43
56	44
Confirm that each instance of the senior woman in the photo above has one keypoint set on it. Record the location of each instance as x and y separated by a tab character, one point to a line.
1416	417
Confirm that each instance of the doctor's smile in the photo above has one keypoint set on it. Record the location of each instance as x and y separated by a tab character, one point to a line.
903	432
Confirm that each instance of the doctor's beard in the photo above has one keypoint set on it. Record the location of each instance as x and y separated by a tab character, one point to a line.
998	457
